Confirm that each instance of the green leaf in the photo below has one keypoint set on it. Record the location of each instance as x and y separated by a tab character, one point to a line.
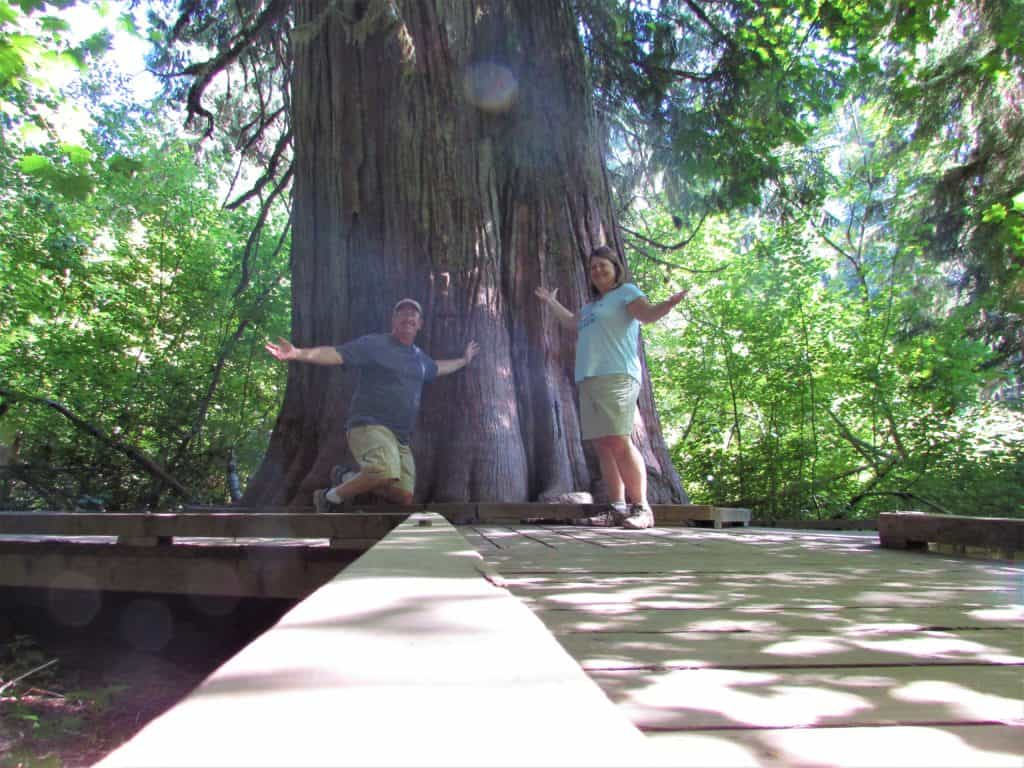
994	214
12	65
7	14
76	154
30	6
54	24
126	23
99	43
35	164
125	165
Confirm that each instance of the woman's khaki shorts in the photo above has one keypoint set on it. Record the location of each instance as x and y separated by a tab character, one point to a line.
379	453
607	405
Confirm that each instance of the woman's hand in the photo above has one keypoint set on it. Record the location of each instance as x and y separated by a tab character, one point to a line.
545	295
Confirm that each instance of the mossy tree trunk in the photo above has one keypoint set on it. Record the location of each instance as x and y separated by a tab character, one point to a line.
447	150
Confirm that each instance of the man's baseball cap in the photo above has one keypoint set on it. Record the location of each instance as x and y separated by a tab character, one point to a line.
410	302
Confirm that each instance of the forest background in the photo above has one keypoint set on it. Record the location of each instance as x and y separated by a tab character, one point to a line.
852	244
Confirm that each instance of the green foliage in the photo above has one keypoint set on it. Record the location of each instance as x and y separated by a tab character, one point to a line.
822	364
711	91
854	316
118	300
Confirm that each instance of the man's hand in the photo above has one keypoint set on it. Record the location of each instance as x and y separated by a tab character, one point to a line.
444	367
283	350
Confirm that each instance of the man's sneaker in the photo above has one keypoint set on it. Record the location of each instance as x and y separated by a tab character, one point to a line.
640	516
324	505
340	474
610	518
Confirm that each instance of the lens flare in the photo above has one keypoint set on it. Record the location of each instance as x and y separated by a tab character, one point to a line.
491	87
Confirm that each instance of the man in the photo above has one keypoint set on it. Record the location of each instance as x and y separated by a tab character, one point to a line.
391	371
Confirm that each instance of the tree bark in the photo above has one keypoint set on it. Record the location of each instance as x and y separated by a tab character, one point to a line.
448	150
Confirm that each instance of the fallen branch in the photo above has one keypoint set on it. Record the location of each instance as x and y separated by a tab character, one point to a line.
21	677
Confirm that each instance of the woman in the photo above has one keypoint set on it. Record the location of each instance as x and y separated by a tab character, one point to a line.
608	380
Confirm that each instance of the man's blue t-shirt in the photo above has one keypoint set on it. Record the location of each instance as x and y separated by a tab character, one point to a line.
608	341
389	381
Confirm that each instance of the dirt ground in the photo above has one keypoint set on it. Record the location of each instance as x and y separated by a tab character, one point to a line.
101	700
99	689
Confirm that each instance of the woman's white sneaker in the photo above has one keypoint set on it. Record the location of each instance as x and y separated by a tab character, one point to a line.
640	516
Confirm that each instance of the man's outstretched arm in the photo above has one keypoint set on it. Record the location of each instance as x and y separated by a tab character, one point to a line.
444	367
285	350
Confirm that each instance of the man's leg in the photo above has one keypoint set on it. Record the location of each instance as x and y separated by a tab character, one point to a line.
362	482
377	451
393	493
400	491
387	468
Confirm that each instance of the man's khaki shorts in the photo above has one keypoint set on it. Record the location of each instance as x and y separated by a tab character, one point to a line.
379	453
607	405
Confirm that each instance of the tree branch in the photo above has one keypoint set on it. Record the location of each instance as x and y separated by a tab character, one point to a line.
131	452
664	246
204	72
904	495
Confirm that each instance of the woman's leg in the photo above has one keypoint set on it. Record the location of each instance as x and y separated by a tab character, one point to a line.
630	472
606	455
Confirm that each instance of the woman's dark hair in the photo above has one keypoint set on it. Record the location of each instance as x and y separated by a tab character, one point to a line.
608	253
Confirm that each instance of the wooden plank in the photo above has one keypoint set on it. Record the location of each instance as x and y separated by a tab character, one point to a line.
408	657
829	524
738	548
858	620
684	514
664	514
693	650
355	525
732	631
698	699
254	571
935	746
745	597
909	530
533	512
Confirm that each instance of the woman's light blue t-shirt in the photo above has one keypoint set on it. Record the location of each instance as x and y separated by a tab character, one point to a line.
609	337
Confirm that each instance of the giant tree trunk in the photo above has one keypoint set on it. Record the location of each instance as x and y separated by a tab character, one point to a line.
447	150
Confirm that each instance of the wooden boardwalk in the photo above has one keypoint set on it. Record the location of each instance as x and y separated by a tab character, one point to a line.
782	648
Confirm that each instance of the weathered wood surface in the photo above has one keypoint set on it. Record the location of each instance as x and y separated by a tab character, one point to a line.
765	647
411	656
664	514
238	554
683	514
825	524
915	530
930	746
211	524
289	569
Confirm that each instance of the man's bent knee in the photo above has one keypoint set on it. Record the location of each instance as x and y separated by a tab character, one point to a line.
396	495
